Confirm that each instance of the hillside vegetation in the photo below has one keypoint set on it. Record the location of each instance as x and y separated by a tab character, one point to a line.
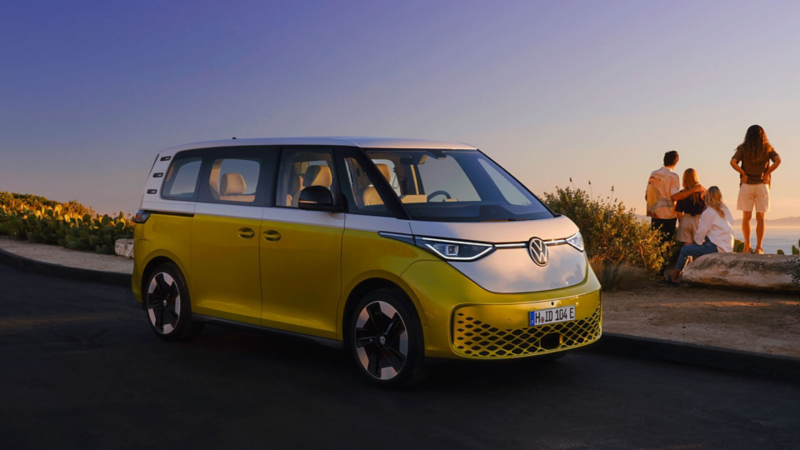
70	225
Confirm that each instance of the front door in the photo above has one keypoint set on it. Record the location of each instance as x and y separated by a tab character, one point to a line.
301	251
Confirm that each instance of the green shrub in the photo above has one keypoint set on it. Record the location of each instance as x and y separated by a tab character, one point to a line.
70	225
612	234
738	246
780	252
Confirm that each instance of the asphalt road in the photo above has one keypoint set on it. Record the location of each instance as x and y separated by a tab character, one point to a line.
80	368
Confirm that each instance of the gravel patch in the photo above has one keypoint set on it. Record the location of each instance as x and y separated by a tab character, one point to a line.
71	258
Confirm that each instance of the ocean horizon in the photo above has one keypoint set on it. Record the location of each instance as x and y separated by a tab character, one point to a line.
774	238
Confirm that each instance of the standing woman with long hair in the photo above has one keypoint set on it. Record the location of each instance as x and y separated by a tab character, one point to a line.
714	234
755	173
690	208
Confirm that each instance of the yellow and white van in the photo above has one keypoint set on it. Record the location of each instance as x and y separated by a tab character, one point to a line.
400	251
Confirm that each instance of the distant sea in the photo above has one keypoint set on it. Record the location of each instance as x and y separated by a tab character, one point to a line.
775	237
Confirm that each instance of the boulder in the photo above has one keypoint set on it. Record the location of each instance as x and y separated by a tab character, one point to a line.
743	271
124	248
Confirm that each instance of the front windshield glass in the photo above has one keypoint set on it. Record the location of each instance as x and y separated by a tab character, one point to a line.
456	186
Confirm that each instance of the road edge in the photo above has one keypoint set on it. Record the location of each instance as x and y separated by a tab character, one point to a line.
779	368
57	270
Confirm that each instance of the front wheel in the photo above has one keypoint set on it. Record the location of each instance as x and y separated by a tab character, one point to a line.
168	306
386	339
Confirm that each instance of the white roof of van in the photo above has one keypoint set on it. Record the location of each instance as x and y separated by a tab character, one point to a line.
363	142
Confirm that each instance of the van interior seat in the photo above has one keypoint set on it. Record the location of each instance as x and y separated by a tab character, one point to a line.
370	195
314	176
232	187
318	176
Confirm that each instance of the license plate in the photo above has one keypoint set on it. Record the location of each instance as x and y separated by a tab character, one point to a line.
552	315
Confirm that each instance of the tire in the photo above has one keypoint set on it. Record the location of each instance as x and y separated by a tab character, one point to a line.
386	340
168	305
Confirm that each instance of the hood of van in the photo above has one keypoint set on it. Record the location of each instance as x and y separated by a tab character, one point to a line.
512	269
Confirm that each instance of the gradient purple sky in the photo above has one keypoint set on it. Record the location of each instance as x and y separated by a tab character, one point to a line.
90	91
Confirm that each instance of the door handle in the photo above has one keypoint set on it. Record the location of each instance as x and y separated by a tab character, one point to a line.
272	236
246	233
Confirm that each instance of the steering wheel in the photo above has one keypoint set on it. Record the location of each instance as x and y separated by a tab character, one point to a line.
434	194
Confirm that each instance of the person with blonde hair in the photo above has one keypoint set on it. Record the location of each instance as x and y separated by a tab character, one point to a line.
690	208
755	175
714	234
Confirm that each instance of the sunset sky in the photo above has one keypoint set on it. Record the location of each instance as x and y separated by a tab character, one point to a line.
90	91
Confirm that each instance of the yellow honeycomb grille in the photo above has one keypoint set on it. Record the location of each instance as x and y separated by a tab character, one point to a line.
475	338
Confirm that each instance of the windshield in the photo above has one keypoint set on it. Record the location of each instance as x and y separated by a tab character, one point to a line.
456	186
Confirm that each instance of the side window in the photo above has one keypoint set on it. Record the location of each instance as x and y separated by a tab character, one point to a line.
234	179
301	168
361	194
386	167
181	180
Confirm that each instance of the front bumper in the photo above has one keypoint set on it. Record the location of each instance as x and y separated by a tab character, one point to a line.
498	324
481	331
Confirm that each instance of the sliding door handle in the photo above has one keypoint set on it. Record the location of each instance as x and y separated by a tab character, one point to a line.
246	233
272	236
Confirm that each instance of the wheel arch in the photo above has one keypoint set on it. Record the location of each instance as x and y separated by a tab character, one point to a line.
150	266
370	284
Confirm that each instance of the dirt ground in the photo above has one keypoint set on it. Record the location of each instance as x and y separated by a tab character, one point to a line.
740	320
58	255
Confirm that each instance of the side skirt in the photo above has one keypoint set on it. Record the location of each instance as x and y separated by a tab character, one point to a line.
333	343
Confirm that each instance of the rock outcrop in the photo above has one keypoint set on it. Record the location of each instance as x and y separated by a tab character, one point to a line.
742	271
124	247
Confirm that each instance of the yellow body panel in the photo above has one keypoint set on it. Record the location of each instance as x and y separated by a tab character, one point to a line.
367	255
225	277
166	236
301	277
301	282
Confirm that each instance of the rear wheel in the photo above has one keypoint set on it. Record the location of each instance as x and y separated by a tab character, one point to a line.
168	305
386	340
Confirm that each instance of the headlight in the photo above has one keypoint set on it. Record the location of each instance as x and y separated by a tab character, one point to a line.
454	250
576	241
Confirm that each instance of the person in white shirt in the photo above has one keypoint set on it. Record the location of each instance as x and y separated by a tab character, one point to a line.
663	190
714	234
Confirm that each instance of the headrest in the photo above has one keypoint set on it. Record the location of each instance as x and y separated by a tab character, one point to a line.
318	176
386	171
232	184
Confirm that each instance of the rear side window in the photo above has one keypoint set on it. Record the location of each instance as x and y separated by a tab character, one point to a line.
234	179
237	175
181	180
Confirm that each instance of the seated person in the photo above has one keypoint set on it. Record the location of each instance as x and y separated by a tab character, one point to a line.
714	234
690	208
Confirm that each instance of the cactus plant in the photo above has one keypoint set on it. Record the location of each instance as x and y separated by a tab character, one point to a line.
70	225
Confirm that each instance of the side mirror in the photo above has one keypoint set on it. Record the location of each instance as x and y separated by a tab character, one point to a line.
317	198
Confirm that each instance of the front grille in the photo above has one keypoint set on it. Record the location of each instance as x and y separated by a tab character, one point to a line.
475	338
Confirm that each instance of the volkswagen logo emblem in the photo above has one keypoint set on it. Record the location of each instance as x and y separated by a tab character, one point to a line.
538	251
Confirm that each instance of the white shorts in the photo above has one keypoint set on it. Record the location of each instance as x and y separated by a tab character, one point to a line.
687	228
753	195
